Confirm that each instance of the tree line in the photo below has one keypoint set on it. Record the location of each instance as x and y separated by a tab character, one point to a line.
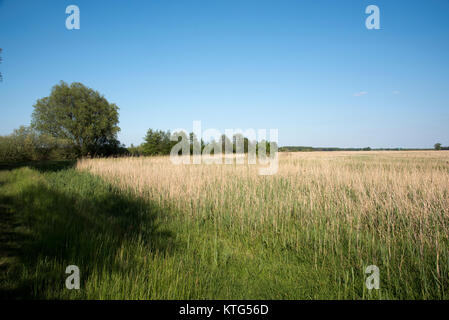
159	142
304	149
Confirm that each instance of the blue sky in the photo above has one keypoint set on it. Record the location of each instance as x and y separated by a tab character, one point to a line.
299	66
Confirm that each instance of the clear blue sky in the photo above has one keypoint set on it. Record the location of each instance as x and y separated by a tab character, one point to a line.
298	66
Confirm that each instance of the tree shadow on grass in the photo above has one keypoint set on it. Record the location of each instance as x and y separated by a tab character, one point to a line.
87	223
41	166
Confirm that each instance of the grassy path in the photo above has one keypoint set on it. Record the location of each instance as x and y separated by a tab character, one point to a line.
10	245
54	219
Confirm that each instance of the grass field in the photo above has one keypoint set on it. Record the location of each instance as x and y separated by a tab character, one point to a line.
143	228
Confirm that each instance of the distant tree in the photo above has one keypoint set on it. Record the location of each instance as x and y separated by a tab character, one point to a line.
263	146
437	146
135	151
195	143
182	142
154	142
240	143
157	142
226	144
80	115
152	145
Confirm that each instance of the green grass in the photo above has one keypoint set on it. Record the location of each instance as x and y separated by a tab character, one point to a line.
130	248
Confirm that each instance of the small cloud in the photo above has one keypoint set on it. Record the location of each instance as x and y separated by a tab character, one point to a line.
359	94
396	92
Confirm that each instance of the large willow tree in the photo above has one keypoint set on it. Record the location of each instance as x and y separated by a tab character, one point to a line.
80	115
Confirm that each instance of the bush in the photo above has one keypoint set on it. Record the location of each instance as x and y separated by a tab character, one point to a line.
25	144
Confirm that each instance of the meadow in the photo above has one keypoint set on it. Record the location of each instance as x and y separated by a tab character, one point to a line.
144	228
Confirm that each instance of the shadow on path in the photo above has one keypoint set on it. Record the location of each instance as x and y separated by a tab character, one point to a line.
73	218
42	166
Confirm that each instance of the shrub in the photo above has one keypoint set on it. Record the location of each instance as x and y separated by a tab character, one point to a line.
25	144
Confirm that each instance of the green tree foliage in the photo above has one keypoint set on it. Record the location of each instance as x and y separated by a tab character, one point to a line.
195	143
226	144
239	141
182	141
80	115
157	142
439	146
135	150
26	144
